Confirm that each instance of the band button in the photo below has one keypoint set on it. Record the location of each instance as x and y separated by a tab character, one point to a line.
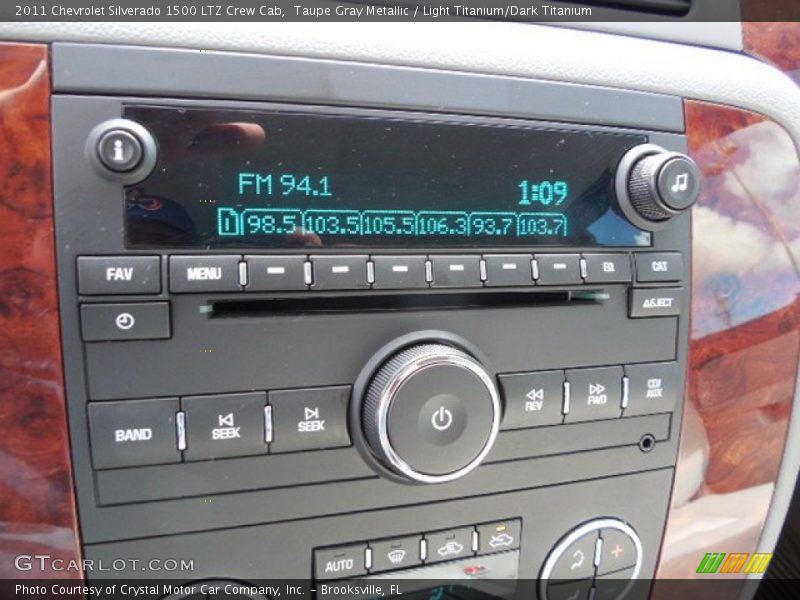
133	433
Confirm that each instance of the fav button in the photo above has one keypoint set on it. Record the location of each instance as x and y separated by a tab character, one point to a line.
204	274
594	394
133	433
398	553
120	322
532	399
119	275
309	419
224	425
449	545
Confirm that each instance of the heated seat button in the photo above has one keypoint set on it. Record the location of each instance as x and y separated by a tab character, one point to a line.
508	269
558	269
652	388
532	399
456	271
659	266
340	272
660	302
607	268
397	553
133	433
399	272
309	419
119	275
448	545
275	273
224	425
499	536
204	274
120	322
594	394
341	562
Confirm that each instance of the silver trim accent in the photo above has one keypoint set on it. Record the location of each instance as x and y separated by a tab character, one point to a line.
180	430
242	273
268	435
482	267
307	276
474	540
399	378
423	549
428	271
368	557
534	269
626	390
579	532
598	551
584	272
565	405
370	272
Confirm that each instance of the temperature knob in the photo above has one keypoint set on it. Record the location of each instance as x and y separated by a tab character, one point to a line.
431	413
654	185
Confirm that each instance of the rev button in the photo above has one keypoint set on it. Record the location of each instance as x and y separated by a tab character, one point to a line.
532	399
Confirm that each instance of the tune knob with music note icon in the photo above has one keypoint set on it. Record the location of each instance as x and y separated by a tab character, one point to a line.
654	185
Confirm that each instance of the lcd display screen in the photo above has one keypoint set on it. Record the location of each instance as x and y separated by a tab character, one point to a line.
283	179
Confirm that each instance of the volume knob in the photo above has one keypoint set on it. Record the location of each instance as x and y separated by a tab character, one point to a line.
431	413
654	185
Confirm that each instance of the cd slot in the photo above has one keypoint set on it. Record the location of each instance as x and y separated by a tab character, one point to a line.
394	302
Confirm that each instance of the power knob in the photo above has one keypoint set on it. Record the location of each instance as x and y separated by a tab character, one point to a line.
654	185
431	413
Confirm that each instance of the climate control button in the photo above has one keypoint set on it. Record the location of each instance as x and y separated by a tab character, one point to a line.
431	413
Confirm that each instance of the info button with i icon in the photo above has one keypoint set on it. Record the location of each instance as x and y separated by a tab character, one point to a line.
119	150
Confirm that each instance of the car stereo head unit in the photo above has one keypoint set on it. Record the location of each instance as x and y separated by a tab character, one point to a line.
400	339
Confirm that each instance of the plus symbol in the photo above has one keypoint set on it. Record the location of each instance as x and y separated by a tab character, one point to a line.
617	551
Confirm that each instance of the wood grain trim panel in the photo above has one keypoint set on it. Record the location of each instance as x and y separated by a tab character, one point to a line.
37	503
777	43
745	335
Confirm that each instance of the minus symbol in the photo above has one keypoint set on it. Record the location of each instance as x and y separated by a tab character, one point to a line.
276	270
456	267
400	269
340	269
509	266
560	266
